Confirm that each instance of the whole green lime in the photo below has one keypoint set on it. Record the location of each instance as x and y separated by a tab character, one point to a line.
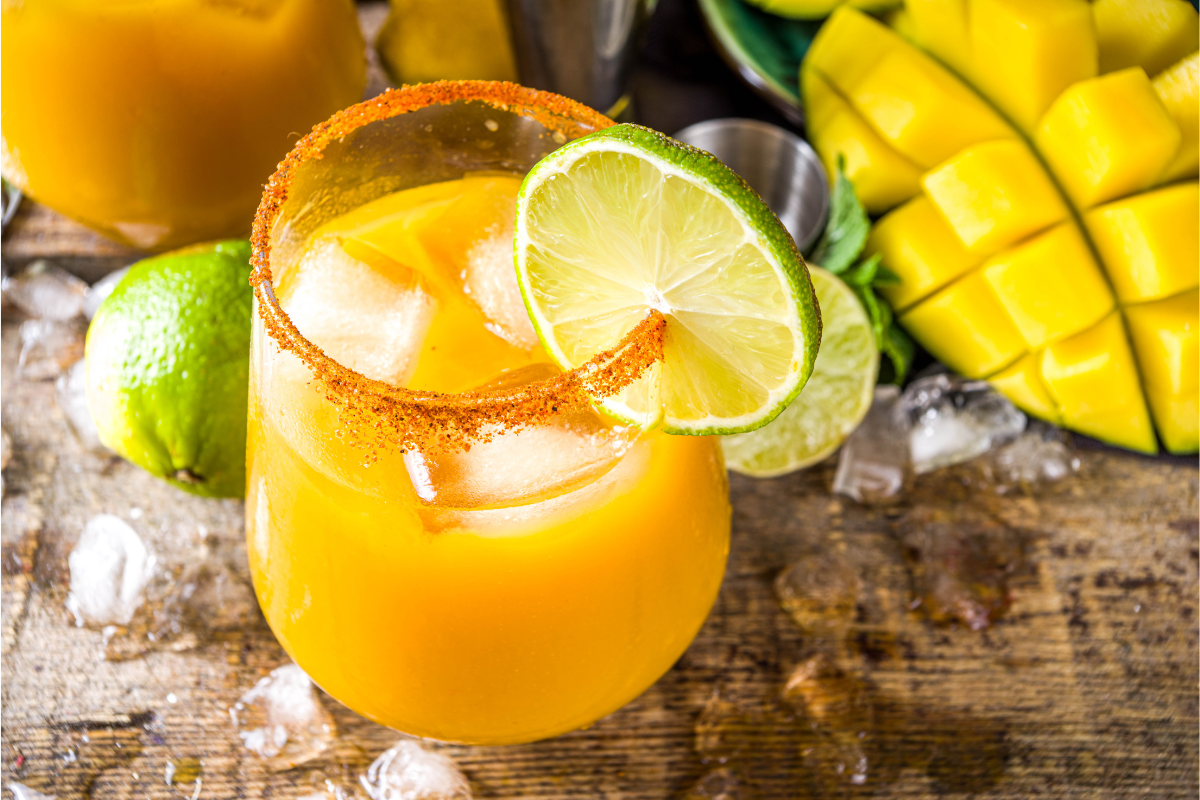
168	361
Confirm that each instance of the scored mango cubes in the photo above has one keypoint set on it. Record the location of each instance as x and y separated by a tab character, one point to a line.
1060	263
1108	137
1166	339
994	194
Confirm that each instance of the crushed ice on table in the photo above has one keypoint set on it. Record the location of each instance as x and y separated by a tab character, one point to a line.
712	728
820	592
873	465
46	292
720	784
100	290
49	347
955	419
110	567
839	712
70	392
409	771
184	605
182	771
961	560
1041	455
22	792
283	720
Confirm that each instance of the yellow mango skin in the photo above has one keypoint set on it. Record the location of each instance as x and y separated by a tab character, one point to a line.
966	328
994	194
1094	381
917	244
1022	383
1179	90
1150	243
1050	285
1107	137
1166	338
882	178
1151	34
1026	52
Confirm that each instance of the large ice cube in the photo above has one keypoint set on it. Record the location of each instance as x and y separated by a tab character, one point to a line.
361	318
282	719
48	347
521	466
955	420
408	771
490	280
44	291
70	392
110	567
873	465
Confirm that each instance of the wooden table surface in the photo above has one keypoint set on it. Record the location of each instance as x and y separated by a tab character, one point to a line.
1086	686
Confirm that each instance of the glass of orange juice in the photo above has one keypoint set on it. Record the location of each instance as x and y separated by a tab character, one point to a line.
504	593
157	123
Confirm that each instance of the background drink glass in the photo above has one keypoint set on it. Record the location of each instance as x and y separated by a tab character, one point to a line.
487	625
157	123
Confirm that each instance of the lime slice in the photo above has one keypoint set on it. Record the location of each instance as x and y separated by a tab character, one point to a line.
627	220
837	397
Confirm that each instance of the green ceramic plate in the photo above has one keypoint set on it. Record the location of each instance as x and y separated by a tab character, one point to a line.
764	49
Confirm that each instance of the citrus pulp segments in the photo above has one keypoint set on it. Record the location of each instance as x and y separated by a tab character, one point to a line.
832	403
626	220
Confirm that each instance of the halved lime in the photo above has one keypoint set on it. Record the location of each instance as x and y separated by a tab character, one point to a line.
836	399
627	220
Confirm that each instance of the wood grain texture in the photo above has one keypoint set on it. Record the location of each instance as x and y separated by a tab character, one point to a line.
1085	688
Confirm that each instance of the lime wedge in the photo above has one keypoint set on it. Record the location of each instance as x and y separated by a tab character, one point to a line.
627	220
835	400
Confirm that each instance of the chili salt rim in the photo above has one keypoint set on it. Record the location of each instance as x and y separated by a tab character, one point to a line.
373	413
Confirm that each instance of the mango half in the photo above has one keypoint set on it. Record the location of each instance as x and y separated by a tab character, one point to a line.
1033	168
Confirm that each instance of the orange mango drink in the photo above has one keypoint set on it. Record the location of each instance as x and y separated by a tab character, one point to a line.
504	593
156	122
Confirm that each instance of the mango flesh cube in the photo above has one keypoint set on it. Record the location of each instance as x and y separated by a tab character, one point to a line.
965	327
1026	52
1022	383
849	46
1107	137
881	176
921	109
1151	34
917	244
994	194
1094	381
1166	338
1179	90
940	26
1050	285
1150	243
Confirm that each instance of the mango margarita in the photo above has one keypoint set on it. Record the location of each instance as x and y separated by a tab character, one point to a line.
515	591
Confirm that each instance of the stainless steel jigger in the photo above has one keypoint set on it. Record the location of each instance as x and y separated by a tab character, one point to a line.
583	49
777	164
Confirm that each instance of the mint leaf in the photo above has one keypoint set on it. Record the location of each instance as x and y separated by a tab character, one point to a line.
885	277
899	349
846	231
864	273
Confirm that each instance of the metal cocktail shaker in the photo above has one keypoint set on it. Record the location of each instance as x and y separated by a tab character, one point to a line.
583	49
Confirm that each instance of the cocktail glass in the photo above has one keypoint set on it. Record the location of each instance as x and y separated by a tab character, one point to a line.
157	123
498	594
